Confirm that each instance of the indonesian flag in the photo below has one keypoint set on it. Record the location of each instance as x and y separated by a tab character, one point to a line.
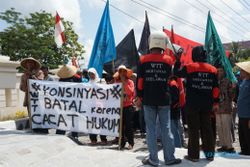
59	32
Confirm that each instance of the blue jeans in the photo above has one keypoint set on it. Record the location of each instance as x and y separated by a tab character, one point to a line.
175	129
150	114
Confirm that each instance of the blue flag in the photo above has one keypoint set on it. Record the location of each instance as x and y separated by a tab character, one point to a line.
215	51
104	46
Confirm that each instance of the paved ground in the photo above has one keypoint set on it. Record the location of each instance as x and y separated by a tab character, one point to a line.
24	149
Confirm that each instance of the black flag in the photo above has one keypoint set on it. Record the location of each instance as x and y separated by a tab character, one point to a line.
126	54
144	44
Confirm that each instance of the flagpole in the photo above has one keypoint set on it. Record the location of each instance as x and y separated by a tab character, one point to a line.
174	51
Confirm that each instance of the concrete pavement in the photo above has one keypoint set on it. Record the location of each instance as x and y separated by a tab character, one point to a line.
22	149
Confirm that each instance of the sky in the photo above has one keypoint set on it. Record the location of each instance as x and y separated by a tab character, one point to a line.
231	17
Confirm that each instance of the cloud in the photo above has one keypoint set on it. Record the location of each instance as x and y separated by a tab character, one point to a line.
68	9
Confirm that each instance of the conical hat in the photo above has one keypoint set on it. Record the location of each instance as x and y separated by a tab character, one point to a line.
25	66
244	66
67	71
123	67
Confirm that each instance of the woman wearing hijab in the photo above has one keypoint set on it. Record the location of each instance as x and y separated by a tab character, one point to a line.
94	78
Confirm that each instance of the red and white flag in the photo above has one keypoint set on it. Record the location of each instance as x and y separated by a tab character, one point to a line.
59	32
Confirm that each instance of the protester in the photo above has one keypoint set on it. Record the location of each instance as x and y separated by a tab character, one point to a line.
123	76
94	78
202	94
47	77
175	111
30	66
67	73
244	108
224	113
31	71
152	88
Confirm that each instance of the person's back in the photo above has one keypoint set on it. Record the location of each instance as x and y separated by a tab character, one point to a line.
201	79
156	70
152	88
202	94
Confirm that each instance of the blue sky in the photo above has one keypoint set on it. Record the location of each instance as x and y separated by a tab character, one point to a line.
86	14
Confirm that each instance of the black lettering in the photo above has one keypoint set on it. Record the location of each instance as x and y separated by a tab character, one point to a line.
61	92
35	86
99	110
65	104
80	106
107	97
73	105
93	94
104	120
108	110
116	124
33	119
72	118
45	90
100	91
34	107
97	125
47	103
45	119
34	94
110	124
57	103
69	94
53	92
61	119
117	111
50	120
92	109
87	91
79	93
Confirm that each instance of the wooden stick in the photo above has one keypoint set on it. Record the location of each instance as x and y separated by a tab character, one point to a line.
121	117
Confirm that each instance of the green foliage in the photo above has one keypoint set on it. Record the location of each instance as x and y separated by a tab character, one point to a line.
238	54
244	55
34	36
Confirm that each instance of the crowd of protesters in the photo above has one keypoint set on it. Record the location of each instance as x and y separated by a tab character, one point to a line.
152	101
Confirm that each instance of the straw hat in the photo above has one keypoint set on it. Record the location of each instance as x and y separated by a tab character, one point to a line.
123	67
67	71
30	59
244	66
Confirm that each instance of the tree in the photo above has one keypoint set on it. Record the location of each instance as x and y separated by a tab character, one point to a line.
34	36
244	55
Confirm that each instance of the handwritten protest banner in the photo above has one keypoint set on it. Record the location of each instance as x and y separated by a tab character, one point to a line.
90	108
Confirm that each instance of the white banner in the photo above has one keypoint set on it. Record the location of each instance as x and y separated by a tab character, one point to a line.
78	107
